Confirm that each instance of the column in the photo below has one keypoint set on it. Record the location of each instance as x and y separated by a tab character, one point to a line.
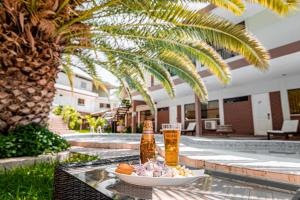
221	111
133	117
285	104
182	116
139	118
155	121
199	131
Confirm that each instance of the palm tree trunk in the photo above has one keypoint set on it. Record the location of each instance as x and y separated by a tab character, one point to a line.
27	81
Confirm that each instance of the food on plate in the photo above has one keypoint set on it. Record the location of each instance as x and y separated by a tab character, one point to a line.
159	169
154	169
124	168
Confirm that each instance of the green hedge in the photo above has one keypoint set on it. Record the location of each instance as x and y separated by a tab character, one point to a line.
30	140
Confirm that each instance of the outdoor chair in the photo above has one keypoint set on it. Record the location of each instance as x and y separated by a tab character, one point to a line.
190	129
289	127
99	129
224	129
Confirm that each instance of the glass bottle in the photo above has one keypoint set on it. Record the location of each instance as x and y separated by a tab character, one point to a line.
147	145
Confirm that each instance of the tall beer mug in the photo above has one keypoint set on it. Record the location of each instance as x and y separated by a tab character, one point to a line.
171	139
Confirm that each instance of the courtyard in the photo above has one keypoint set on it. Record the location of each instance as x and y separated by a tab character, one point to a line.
149	99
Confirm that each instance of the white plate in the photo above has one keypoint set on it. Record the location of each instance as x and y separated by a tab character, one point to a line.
159	181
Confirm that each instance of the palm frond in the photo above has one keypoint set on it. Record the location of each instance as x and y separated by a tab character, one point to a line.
185	69
68	70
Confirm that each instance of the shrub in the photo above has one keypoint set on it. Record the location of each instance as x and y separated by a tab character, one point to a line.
139	128
107	128
57	110
128	129
72	117
30	140
126	102
94	123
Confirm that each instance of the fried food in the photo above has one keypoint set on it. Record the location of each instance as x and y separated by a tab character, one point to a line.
124	168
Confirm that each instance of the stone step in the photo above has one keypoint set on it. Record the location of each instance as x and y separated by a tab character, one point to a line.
57	125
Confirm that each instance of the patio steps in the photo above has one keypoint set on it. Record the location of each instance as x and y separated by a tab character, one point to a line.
58	126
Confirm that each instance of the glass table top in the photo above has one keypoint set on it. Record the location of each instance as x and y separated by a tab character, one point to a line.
209	187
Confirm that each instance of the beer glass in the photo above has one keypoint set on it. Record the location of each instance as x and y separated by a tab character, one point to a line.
171	138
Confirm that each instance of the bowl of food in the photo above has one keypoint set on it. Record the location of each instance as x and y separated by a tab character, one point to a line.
154	173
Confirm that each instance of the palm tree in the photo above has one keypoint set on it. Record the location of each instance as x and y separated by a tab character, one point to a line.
125	37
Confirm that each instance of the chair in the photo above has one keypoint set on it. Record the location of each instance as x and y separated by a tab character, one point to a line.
99	129
224	129
289	127
190	129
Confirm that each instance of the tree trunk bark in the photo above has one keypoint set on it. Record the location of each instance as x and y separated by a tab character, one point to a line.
27	81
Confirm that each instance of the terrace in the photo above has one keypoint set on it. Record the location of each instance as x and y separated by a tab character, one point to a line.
86	87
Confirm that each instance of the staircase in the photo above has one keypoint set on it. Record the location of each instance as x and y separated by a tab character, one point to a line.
58	126
121	112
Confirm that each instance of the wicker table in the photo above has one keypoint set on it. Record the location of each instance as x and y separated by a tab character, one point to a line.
89	181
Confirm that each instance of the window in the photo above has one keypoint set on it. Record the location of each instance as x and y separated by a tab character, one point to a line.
236	99
101	105
107	105
189	112
80	102
210	110
60	95
294	101
83	84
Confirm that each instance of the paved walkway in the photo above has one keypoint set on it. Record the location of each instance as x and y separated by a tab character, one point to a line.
271	160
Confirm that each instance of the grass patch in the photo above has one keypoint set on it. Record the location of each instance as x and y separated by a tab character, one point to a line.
33	182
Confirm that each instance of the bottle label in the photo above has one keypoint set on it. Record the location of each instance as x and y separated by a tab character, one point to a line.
148	132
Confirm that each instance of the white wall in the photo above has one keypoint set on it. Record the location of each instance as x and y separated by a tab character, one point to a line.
92	103
69	98
173	114
273	30
63	79
258	87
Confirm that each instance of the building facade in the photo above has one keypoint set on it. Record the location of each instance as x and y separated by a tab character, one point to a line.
84	97
254	101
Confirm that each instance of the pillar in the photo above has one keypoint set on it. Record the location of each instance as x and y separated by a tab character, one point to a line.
134	119
221	111
285	104
199	131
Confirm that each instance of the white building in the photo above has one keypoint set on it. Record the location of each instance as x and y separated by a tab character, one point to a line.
84	97
254	101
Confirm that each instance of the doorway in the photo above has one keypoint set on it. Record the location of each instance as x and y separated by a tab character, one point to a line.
262	117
